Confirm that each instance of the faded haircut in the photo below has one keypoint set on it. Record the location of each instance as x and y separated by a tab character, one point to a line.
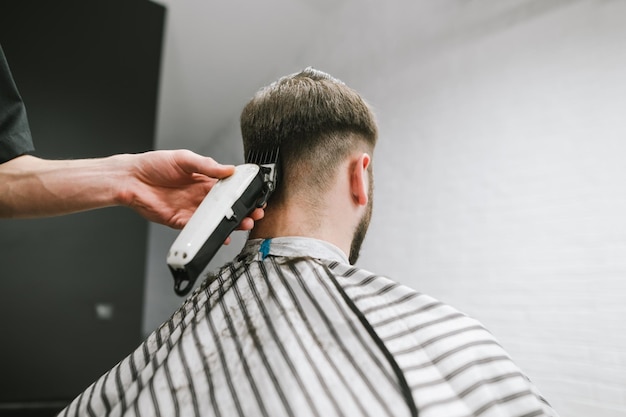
315	120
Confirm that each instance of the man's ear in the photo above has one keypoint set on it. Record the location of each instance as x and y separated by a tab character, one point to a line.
359	179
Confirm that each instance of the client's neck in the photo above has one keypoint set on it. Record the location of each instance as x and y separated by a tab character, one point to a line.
281	221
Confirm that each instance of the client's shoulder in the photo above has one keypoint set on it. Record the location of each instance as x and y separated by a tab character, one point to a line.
381	296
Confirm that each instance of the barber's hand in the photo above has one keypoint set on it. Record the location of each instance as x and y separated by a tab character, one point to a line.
167	186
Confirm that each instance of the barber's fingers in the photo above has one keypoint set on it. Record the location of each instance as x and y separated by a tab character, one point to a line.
193	163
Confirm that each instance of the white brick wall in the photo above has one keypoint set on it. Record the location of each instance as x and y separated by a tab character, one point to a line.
501	178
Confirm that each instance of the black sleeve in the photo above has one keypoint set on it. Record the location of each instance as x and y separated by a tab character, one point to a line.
15	138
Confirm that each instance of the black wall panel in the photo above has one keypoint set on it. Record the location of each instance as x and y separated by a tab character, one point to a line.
88	72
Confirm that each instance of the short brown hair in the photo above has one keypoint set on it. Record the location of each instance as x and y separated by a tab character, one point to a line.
315	120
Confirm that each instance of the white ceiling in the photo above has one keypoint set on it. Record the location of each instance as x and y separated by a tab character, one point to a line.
218	53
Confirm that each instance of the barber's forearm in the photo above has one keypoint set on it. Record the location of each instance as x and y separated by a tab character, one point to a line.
33	187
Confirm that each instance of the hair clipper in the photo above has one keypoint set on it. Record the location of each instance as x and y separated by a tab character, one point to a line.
224	207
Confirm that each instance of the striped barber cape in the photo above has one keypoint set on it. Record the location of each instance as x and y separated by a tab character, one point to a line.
289	328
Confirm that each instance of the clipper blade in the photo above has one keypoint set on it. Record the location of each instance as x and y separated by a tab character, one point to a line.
267	159
262	156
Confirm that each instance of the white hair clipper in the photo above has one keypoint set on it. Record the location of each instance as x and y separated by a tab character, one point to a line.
224	207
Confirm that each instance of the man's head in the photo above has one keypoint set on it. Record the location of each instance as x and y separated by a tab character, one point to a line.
317	122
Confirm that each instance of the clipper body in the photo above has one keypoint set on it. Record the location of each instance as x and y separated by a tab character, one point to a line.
224	207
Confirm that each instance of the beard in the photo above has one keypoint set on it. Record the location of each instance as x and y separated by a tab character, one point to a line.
361	229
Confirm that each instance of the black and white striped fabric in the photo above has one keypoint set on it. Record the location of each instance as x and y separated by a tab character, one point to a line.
291	329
